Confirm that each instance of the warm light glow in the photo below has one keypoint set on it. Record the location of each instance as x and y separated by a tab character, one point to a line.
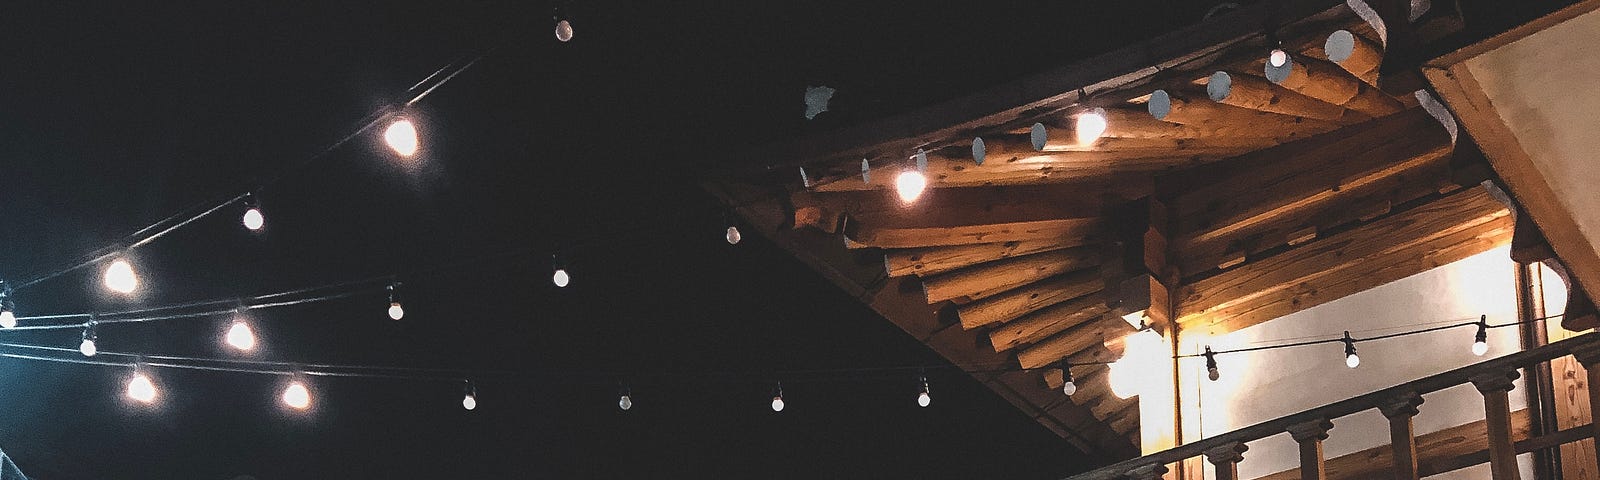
1121	385
1352	360
1144	352
1278	57
297	396
626	402
8	319
564	30
777	403
1090	126
119	277
396	311
561	278
733	235
402	137
253	219
87	347
141	388
1480	347
1136	319
1069	388
469	402
240	336
910	185
924	400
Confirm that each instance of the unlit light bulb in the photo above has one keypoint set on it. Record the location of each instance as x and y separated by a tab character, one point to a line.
141	388
625	403
297	396
733	235
777	403
119	277
1278	57
396	311
241	337
909	185
560	278
1090	126
1069	388
253	219
8	319
402	137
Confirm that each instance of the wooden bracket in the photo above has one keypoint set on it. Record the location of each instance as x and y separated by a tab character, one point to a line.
1136	263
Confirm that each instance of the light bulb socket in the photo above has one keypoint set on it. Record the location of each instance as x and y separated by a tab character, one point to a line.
1211	364
921	161
1483	330
250	201
89	330
777	391
469	389
1349	344
394	292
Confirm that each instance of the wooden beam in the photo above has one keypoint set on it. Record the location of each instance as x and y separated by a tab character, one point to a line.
1074	231
1281	188
1330	83
1082	337
1357	55
1450	228
1256	93
1197	111
1435	449
955	167
1125	123
980	281
863	212
1009	305
934	260
1047	321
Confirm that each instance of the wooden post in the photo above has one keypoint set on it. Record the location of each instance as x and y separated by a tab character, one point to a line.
1147	472
1589	356
1310	436
1402	438
1227	458
1497	416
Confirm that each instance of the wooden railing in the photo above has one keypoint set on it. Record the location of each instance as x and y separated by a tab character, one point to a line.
1399	404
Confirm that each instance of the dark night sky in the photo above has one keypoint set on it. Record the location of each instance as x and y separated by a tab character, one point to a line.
116	114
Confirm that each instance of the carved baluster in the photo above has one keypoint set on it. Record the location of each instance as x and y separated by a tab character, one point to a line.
1497	414
1227	458
1402	438
1310	436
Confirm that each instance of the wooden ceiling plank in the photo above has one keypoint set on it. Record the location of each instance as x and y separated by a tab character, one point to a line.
980	281
1256	93
1082	337
1195	110
1329	82
933	260
1017	302
1074	231
1047	321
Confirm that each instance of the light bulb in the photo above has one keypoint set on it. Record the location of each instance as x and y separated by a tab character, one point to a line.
564	30
733	235
1480	347
8	319
87	348
241	337
402	137
777	403
253	219
1069	388
1278	57
1213	374
1480	341
396	311
910	185
141	388
1090	126
119	277
625	403
297	396
923	399
1352	360
469	401
561	278
1211	365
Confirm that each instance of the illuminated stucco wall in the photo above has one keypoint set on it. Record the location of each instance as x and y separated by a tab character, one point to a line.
1263	385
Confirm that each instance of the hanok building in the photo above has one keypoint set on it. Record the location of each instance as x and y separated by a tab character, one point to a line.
1398	174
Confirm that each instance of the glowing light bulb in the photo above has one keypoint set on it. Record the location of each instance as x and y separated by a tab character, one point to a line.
119	277
909	185
1090	126
1350	358
87	347
561	278
1278	57
253	219
402	137
240	336
564	30
141	388
469	401
297	396
1480	348
1069	388
625	403
733	235
924	400
396	311
8	319
777	403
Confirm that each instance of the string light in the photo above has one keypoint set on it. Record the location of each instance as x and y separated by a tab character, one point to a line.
140	387
402	137
1350	358
1278	58
469	399
1480	342
911	182
396	311
253	219
733	236
777	398
1090	125
560	277
1068	386
1211	365
239	335
923	397
625	399
8	315
296	395
87	346
563	30
119	277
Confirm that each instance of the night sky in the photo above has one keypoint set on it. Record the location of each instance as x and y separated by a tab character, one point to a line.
116	114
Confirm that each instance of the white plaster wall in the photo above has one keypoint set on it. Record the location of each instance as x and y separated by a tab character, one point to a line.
1264	385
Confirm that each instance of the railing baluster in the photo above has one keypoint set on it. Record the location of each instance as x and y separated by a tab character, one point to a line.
1226	458
1497	415
1402	438
1310	436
